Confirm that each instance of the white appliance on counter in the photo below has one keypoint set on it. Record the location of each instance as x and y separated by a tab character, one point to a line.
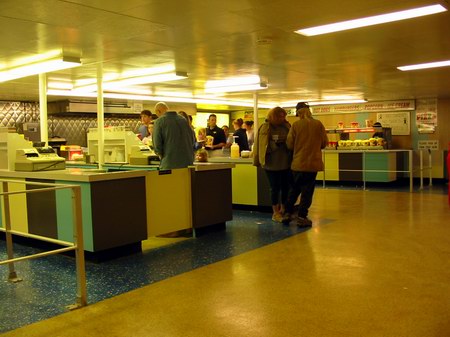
38	159
117	143
143	155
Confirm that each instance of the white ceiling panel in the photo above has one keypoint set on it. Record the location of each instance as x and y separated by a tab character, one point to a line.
216	39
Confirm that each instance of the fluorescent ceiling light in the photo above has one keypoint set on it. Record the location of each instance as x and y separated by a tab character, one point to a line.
259	86
312	103
425	65
252	82
60	85
125	82
155	98
45	66
372	20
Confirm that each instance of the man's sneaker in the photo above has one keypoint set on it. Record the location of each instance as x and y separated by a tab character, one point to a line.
277	217
286	219
303	222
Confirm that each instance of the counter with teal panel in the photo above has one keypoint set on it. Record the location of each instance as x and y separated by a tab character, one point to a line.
113	207
360	165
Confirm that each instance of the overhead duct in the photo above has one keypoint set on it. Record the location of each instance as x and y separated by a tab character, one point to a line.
70	106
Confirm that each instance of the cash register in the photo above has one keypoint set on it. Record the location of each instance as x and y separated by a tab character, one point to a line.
143	155
38	159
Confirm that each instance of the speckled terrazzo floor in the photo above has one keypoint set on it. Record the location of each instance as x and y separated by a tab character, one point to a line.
49	283
374	264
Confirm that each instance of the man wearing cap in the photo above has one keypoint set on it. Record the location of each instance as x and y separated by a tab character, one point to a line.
306	138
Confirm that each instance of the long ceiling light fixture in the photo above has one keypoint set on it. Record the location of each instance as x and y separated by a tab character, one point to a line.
246	83
44	66
425	65
142	76
334	102
372	20
157	98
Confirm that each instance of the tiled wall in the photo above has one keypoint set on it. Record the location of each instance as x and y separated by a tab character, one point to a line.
72	128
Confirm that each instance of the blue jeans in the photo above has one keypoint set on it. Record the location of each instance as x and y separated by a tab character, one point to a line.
303	184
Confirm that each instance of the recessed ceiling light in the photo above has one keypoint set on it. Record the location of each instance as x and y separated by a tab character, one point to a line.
425	65
372	20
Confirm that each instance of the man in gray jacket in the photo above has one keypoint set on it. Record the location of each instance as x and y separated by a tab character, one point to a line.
173	140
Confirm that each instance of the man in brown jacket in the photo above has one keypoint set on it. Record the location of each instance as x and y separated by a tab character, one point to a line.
306	138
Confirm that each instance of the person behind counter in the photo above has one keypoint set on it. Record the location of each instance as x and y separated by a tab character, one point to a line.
271	153
241	135
173	140
217	133
377	134
146	117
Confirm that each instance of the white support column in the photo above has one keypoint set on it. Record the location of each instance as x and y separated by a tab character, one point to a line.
43	107
100	117
255	114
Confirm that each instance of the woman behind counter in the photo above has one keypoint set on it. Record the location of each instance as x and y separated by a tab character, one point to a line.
241	135
271	153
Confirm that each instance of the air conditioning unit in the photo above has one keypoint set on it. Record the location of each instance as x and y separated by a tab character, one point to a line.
67	106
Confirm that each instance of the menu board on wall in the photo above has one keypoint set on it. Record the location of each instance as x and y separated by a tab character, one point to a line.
400	122
400	105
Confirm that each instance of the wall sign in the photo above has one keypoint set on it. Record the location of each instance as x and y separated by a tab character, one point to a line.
398	121
428	145
400	105
426	115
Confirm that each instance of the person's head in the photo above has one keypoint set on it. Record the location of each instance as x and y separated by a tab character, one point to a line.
248	125
146	116
190	120
303	110
161	108
276	116
154	117
225	129
212	120
201	134
184	114
377	125
237	123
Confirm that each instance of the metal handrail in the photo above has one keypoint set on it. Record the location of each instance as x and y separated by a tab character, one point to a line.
410	170
77	245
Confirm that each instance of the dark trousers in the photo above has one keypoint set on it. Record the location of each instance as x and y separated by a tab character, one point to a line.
279	185
303	184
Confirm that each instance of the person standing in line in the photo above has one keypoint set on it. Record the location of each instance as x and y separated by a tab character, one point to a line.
173	140
307	137
146	118
271	153
217	133
248	125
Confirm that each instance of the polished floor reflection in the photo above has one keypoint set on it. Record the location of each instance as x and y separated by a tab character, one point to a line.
374	264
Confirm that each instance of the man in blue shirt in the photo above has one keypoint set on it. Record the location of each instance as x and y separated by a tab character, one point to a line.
173	141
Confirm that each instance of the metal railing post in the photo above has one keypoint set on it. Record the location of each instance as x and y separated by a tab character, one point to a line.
410	167
79	252
12	276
